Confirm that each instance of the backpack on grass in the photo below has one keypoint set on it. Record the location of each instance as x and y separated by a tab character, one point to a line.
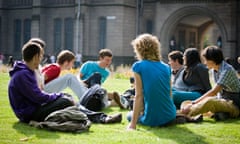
70	119
92	99
127	98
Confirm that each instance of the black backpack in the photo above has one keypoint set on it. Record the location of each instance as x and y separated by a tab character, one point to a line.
93	98
127	98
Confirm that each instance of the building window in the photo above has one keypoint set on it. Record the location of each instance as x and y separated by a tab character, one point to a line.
102	32
68	34
192	39
149	26
26	30
181	37
57	34
17	35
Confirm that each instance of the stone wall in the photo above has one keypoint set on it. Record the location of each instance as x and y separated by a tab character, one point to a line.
121	23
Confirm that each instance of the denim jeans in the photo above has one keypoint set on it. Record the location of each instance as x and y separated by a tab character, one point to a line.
130	115
62	82
180	96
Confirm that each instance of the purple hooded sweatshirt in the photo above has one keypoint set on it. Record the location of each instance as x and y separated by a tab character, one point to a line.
24	94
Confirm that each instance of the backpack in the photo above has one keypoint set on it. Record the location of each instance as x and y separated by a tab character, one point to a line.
127	98
92	99
70	119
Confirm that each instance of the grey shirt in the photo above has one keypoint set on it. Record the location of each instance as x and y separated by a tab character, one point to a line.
195	78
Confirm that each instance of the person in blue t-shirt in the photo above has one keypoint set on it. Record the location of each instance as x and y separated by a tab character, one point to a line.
96	72
153	105
29	102
92	72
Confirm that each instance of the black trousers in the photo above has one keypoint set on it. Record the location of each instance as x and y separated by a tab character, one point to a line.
235	97
93	79
43	111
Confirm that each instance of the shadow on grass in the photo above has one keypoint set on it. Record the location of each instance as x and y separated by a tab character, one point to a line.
31	131
230	120
115	109
183	135
177	133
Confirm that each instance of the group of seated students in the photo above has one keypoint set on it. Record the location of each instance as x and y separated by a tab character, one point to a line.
191	83
35	93
184	84
190	76
159	89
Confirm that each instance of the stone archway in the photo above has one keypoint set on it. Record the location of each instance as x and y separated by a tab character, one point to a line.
174	19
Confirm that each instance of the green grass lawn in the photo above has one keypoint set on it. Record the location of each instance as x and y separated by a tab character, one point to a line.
209	131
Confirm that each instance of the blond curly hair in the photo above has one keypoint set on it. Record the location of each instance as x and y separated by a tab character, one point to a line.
147	47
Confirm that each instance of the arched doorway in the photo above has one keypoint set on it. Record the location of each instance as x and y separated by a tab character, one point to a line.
191	27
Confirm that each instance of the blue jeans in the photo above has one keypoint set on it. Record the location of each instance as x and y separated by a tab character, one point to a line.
129	116
62	82
180	96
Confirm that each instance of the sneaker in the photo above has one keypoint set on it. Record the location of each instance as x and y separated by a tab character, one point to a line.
220	116
180	120
124	102
116	98
117	118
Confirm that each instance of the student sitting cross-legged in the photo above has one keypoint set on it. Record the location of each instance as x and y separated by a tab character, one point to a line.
224	98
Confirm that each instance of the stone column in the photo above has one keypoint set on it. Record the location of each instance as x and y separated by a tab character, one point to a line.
36	11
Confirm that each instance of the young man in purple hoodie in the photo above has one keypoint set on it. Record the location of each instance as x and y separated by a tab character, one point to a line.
27	100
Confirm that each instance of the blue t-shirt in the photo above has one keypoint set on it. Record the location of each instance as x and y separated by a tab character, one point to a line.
159	108
91	67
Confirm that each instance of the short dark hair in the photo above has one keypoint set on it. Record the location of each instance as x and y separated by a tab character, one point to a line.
105	52
65	55
30	49
213	53
192	57
38	41
176	55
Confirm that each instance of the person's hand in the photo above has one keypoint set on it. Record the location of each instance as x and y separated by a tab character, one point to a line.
186	106
186	109
131	127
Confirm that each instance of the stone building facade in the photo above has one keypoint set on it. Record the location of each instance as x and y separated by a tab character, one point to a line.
86	26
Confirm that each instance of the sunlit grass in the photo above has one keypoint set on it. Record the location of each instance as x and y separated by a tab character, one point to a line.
209	131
